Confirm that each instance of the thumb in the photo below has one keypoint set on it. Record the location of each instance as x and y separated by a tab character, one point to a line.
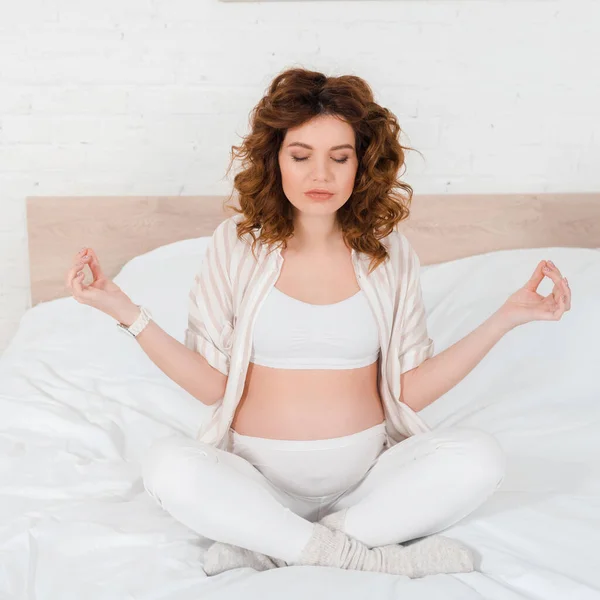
537	277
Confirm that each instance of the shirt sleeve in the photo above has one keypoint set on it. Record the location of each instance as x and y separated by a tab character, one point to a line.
415	345
210	331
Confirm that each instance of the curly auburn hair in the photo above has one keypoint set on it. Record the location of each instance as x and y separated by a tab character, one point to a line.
295	96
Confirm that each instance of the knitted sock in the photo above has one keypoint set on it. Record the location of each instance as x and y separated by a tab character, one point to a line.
428	556
222	557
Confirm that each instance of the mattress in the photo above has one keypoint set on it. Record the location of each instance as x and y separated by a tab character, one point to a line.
80	403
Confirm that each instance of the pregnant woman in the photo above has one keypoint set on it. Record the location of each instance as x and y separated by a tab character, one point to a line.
310	341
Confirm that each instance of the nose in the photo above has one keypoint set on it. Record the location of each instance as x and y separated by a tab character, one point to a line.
321	171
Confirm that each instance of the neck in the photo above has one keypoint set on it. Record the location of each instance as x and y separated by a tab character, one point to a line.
315	234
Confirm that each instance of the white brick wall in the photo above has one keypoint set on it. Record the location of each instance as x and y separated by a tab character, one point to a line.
147	96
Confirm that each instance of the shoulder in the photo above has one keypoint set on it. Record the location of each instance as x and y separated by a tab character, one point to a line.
224	238
226	228
233	252
405	260
400	247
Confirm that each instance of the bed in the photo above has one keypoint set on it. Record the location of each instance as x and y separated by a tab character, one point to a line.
80	403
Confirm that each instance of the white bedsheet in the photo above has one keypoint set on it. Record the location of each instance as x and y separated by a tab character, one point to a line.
80	403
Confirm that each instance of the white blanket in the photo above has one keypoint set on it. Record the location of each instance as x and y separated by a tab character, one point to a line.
80	402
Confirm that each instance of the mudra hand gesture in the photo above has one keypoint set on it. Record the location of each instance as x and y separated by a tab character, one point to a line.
527	305
102	293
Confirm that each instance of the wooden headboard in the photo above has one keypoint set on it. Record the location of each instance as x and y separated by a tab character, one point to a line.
441	227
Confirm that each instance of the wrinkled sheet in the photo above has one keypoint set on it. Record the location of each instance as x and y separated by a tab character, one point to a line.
80	403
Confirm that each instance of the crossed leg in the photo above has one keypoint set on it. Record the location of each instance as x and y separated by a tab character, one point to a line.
421	486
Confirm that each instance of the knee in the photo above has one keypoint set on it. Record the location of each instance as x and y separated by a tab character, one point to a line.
483	458
167	463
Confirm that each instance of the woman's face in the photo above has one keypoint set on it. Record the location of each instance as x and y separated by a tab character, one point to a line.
308	159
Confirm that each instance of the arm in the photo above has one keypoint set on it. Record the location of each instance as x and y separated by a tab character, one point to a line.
185	367
201	364
435	376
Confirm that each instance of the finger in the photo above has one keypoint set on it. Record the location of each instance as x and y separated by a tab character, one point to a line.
553	310
72	272
554	268
566	292
562	307
82	293
82	258
552	299
553	273
94	264
78	287
537	277
559	310
561	289
81	253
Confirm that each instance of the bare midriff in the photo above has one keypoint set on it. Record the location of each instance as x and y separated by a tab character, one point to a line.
311	404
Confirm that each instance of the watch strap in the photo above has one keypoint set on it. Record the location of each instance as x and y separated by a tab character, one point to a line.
139	324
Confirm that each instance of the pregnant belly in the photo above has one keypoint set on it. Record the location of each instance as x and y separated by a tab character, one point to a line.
308	404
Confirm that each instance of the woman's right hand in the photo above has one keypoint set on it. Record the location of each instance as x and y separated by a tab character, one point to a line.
101	293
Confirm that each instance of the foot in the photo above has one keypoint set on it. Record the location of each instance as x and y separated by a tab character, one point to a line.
434	554
223	557
428	556
462	558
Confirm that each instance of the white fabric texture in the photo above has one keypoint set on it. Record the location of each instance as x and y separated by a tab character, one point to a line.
81	404
292	334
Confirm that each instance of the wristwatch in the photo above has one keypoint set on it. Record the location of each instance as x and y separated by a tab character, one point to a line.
138	325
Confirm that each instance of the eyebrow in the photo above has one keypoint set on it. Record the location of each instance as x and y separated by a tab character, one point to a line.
301	144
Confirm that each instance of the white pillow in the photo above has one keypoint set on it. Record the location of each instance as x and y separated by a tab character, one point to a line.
161	280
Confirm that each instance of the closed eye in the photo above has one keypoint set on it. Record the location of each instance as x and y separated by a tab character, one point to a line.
343	160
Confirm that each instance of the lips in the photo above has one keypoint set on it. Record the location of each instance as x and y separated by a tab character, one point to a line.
319	195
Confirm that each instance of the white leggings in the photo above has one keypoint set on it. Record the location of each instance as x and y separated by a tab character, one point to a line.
265	494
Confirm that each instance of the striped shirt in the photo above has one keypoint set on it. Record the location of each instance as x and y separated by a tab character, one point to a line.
228	292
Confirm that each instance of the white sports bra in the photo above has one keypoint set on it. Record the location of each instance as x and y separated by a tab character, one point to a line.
292	334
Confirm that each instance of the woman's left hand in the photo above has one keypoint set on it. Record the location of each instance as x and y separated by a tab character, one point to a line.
527	305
